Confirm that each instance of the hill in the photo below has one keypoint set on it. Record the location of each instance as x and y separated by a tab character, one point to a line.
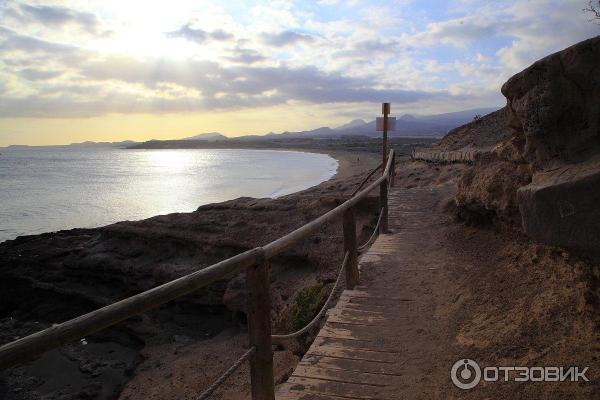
210	137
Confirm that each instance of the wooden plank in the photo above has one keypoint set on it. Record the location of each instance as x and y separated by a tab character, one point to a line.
342	389
356	344
368	335
338	375
367	296
400	309
375	322
355	312
373	307
389	330
352	353
354	365
288	391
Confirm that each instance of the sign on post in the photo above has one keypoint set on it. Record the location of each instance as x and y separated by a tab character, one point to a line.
383	125
391	124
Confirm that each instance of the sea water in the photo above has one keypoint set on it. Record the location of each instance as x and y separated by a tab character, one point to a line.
54	188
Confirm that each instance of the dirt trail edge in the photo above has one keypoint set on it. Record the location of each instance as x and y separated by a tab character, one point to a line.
433	292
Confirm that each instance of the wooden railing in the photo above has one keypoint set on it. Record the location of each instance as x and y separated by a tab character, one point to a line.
446	157
256	264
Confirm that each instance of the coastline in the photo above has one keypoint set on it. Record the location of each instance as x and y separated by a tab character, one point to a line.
78	270
144	195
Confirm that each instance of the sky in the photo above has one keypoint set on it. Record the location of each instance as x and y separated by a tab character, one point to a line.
111	70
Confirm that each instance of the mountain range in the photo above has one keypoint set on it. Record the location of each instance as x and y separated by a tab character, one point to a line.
406	125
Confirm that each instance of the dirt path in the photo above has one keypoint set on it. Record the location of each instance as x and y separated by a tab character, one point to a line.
429	293
387	339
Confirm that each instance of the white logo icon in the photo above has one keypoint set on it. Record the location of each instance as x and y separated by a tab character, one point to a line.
465	374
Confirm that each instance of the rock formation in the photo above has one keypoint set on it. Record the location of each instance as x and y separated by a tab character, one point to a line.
482	133
546	175
555	105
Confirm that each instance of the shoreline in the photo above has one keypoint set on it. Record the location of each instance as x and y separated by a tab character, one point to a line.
345	167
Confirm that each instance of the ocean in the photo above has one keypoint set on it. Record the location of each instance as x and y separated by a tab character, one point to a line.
45	189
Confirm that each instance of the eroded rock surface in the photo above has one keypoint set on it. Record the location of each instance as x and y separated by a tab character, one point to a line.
555	105
561	206
481	134
544	176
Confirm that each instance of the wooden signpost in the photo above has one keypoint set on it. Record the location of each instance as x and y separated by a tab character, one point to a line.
385	110
385	124
383	189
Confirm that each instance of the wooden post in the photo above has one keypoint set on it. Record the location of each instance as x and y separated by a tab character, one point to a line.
350	246
385	110
383	206
393	170
259	330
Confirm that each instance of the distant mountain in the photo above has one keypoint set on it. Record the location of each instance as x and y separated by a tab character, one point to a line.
407	125
323	132
124	144
407	117
210	137
351	124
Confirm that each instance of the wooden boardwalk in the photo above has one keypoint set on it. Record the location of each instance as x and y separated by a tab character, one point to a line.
380	340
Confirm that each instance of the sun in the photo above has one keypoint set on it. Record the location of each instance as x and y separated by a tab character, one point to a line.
140	29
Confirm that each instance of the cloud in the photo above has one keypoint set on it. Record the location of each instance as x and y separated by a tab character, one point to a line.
536	37
457	32
125	84
33	74
13	42
350	62
285	38
215	80
245	56
369	49
57	16
198	35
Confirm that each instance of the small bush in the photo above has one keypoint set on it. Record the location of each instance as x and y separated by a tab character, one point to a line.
306	306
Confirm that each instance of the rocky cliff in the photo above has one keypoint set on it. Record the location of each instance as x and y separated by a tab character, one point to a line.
545	175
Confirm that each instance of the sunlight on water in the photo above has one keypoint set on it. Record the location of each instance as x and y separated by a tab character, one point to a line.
48	189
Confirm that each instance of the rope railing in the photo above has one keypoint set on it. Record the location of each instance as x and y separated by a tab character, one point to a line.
206	394
374	234
323	310
366	179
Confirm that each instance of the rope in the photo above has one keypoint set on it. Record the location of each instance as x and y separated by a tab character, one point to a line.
374	234
323	309
365	180
206	394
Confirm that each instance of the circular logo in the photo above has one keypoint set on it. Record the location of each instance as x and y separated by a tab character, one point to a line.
465	374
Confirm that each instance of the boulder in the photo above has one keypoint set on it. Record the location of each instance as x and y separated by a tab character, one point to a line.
555	105
561	207
545	177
